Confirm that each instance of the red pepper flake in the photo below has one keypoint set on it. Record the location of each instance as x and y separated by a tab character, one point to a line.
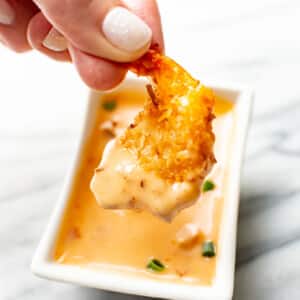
181	273
74	233
142	184
91	160
132	126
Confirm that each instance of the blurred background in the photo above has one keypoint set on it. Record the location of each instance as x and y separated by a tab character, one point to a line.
256	43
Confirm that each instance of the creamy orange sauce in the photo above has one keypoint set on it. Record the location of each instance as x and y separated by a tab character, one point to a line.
94	237
135	188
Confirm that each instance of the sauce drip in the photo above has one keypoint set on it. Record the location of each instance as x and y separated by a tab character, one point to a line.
135	188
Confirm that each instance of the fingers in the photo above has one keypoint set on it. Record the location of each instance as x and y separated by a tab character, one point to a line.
14	18
148	11
44	38
94	30
97	73
105	28
94	71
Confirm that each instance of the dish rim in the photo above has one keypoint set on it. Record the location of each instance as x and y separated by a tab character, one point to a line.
222	288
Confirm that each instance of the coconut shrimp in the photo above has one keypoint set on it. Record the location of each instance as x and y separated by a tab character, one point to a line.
159	162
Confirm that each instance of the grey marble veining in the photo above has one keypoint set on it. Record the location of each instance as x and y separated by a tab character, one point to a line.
255	43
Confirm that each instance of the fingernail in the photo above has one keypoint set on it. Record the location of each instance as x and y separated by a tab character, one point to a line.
7	13
55	41
125	30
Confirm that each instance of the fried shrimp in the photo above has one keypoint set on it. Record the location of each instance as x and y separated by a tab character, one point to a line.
173	135
168	147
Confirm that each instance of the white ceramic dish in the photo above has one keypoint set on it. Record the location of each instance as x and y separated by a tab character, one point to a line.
112	280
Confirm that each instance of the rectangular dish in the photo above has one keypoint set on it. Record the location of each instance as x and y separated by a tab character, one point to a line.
118	280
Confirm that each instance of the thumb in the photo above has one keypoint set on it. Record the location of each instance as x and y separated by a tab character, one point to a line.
104	28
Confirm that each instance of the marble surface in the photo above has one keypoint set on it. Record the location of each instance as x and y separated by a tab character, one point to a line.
255	43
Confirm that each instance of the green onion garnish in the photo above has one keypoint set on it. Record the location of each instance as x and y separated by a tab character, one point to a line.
208	249
109	105
208	185
155	265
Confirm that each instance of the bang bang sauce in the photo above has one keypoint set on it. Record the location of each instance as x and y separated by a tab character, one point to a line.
94	237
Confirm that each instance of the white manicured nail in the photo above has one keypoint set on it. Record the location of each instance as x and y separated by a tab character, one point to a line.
125	30
55	41
7	13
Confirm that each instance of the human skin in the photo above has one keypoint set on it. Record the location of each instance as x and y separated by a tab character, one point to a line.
99	35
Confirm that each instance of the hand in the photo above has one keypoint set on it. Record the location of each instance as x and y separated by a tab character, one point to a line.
96	35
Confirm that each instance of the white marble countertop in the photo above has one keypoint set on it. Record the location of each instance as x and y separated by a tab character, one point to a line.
255	43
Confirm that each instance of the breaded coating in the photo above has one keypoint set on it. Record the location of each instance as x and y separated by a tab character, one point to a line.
173	135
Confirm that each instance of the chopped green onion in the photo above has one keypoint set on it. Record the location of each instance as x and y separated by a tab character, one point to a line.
109	105
155	265
208	185
208	249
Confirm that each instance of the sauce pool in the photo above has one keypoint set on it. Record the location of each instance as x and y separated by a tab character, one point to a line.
94	237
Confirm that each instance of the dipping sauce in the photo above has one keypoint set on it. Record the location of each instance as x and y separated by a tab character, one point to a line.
93	237
135	188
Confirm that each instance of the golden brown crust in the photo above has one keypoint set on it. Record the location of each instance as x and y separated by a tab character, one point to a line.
173	135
